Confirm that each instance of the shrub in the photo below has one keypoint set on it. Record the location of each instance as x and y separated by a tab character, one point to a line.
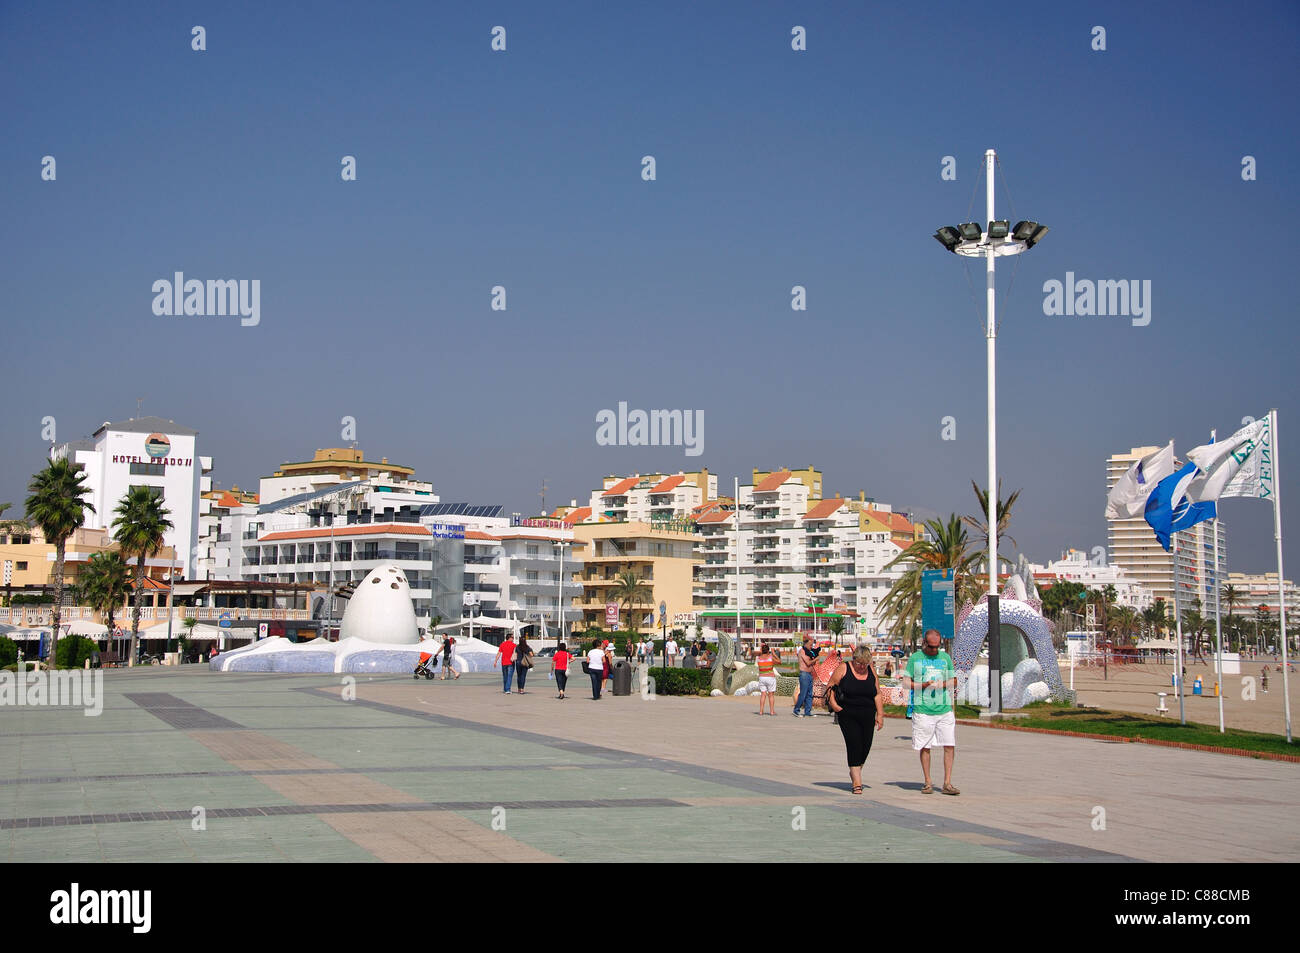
8	651
682	681
73	651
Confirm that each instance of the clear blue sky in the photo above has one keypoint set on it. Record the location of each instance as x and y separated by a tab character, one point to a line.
775	168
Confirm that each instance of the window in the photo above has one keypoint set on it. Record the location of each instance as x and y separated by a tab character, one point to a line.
157	491
21	565
148	469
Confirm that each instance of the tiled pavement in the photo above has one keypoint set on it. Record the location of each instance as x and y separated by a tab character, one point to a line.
285	769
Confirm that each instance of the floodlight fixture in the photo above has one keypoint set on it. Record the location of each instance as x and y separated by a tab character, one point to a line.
949	237
970	231
999	229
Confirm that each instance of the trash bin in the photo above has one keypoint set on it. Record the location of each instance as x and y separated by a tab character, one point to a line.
622	677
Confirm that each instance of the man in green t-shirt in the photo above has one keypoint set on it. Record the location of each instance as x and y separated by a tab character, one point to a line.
932	676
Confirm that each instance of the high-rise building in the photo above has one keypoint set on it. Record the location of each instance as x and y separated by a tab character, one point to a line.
1132	546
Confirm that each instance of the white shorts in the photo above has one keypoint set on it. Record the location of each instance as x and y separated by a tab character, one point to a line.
767	684
933	731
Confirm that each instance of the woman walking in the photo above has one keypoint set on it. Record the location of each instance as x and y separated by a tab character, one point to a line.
767	673
596	668
859	707
560	667
523	662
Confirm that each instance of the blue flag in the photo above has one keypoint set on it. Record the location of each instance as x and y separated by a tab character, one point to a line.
1168	510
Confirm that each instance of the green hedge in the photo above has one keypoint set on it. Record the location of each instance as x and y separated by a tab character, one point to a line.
73	651
682	681
8	651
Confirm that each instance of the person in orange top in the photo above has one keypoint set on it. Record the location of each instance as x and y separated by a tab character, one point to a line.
767	672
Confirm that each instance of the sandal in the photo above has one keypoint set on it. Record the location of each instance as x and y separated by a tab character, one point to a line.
857	789
949	789
928	789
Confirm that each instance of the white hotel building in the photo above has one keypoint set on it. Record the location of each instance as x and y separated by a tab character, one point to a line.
152	452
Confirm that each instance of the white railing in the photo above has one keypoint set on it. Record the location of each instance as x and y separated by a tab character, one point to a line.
35	616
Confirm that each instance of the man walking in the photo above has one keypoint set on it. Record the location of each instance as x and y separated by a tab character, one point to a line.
807	655
930	674
670	652
506	656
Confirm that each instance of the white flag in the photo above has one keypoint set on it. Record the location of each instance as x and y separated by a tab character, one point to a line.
1230	467
1128	498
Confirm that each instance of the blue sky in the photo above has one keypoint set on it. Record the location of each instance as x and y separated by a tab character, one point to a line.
775	168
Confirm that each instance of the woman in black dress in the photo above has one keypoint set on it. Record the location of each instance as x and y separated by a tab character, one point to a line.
853	696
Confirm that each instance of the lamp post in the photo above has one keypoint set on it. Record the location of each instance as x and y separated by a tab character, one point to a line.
995	241
559	602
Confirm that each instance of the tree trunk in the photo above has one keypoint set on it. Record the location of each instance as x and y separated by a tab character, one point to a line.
58	602
135	609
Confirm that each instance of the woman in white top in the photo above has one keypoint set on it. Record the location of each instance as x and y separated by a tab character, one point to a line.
596	668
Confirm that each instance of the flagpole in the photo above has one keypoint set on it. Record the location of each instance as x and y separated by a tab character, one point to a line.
1218	628
1281	594
1178	628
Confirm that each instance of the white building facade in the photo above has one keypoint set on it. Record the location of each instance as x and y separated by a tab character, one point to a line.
152	452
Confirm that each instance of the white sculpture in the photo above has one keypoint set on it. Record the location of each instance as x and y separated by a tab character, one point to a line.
381	610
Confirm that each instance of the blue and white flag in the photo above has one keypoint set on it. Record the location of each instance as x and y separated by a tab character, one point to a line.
1169	511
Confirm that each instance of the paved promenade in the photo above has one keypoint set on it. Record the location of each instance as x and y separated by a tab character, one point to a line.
284	769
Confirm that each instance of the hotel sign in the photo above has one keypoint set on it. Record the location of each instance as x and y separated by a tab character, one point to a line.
447	531
539	523
156	447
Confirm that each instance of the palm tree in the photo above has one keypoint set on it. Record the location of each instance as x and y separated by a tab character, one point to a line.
980	523
105	582
835	625
946	549
630	591
58	507
139	527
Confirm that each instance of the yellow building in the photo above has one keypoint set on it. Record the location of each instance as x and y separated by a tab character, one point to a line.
346	463
664	560
27	560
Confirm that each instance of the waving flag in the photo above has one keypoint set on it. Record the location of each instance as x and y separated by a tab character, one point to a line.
1128	498
1169	511
1230	467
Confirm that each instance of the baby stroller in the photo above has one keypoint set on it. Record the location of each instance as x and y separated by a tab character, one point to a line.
425	667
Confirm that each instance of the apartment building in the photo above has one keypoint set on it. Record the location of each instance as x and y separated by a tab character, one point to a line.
663	559
653	497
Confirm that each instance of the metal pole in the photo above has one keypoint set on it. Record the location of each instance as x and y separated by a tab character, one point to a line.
1178	628
329	588
1281	594
991	334
171	581
736	503
1218	628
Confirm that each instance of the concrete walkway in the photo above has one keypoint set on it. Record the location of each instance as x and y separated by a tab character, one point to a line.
187	765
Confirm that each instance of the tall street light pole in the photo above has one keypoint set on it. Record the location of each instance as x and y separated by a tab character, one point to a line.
995	241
